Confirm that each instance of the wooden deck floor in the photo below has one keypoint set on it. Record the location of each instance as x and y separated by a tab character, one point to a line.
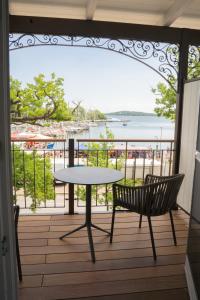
54	269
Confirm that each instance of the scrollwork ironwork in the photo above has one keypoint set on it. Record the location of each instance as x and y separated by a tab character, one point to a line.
194	62
160	57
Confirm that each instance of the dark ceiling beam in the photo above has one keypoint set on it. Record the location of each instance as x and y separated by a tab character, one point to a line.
55	26
191	36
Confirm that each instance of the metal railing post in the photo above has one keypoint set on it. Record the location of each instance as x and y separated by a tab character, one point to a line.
71	186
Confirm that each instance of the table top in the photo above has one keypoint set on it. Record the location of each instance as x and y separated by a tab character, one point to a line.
88	175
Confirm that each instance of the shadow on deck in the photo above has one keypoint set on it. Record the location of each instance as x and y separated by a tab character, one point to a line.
55	269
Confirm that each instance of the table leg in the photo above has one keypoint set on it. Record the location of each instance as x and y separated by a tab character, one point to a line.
78	228
89	230
99	228
88	223
88	220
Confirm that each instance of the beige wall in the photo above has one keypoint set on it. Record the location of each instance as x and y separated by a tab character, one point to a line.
188	141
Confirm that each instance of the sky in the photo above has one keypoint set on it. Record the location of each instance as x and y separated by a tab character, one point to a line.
101	79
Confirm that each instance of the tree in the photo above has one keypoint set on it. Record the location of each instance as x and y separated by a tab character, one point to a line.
81	114
95	114
166	95
98	155
42	100
33	174
165	100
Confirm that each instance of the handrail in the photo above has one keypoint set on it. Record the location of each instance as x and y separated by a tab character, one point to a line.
127	140
37	140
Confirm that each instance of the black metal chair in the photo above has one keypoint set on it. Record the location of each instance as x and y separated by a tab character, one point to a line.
16	218
156	197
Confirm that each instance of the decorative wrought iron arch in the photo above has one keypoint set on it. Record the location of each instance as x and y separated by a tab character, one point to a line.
194	62
162	57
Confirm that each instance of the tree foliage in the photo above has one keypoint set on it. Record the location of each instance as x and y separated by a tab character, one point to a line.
95	114
165	101
33	174
82	114
44	100
41	100
166	95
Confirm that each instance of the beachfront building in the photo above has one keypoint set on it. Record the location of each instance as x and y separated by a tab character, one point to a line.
50	269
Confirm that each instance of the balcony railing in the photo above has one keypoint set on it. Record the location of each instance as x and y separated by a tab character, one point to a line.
32	161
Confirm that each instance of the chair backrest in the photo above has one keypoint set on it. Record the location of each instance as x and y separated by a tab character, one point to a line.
156	197
161	193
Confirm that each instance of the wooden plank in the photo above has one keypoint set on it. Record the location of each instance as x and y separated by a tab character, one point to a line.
106	220
117	225
117	238
33	243
117	254
104	288
177	213
33	229
31	281
34	218
70	247
32	259
173	294
91	277
36	223
135	262
83	233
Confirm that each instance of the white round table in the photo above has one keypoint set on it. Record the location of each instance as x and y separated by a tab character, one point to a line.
88	176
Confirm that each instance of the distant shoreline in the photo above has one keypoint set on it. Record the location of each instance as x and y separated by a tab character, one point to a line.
129	113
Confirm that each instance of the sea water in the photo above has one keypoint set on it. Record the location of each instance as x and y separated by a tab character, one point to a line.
133	127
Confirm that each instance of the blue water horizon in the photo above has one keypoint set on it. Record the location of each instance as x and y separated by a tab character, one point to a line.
136	127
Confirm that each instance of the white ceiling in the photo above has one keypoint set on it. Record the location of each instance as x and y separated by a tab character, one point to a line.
174	13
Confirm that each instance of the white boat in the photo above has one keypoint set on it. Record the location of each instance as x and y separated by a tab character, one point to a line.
113	120
93	124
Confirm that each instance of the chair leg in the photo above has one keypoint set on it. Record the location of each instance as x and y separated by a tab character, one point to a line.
140	222
18	259
152	238
112	224
173	228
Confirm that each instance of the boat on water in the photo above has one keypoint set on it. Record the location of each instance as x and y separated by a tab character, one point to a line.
92	124
113	120
125	122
